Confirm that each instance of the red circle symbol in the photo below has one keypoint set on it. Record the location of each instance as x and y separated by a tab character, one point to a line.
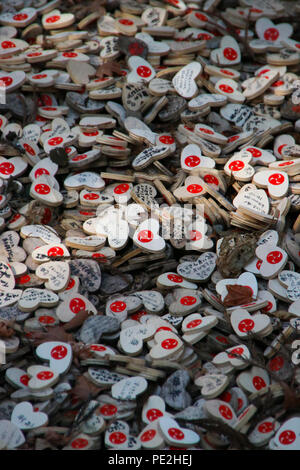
90	133
108	410
229	53
71	284
276	179
258	264
53	19
8	45
135	49
169	343
194	188
41	171
226	88
20	17
265	427
145	236
246	325
154	414
6	168
143	71
195	235
174	278
46	320
148	435
201	17
271	34
91	196
276	363
78	158
237	165
258	382
59	352
222	339
45	375
234	352
287	437
79	443
227	72
192	160
268	307
126	22
97	347
206	131
23	279
55	251
29	150
117	438
286	163
55	141
42	189
274	257
188	300
233	138
34	54
279	150
194	323
70	54
176	433
76	305
24	379
39	76
162	328
225	411
204	36
255	152
166	139
121	188
118	306
210	179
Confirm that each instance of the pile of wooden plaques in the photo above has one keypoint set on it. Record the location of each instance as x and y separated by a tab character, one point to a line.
149	224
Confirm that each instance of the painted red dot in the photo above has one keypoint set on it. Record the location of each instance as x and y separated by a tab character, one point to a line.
176	433
42	189
121	188
278	83
230	54
226	396
55	251
268	307
234	352
237	165
126	22
204	36
175	278
258	264
145	236
201	17
6	168
191	161
265	427
226	88
23	279
188	300
210	179
276	363
246	325
206	131
45	375
287	437
166	139
280	148
41	171
34	54
53	19
255	152
276	179
117	437
78	158
55	141
108	409
46	320
79	443
194	188
91	196
225	411
118	306
286	163
59	352
135	48
39	76
90	133
20	17
153	414
233	138
195	235
76	305
169	343
274	257
97	347
70	54
271	34
8	45
258	382
194	323
227	72
24	379
14	218
143	71
148	435
163	328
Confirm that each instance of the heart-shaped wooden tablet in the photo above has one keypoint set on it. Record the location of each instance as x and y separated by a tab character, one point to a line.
57	353
151	436
200	270
48	235
20	19
242	323
277	182
129	388
193	186
291	281
44	192
245	279
141	70
212	385
231	358
11	436
254	379
167	344
273	260
176	435
229	88
57	20
192	159
41	377
57	274
228	54
184	81
33	298
147	236
131	339
84	180
24	417
73	304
